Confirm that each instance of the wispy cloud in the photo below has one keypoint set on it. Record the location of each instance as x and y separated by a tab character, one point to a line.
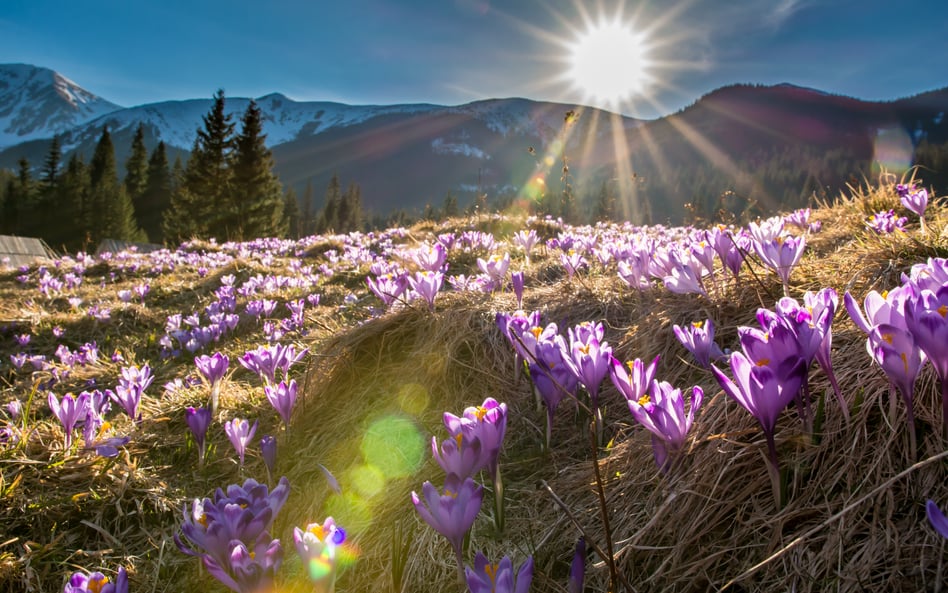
783	11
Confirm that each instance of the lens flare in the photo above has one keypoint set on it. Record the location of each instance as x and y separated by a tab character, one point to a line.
610	63
892	151
393	445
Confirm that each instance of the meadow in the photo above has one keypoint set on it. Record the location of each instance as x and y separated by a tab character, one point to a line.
774	450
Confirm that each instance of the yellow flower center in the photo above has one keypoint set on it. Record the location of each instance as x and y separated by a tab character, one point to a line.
450	493
203	520
697	324
317	530
491	571
480	412
584	349
644	400
943	311
95	586
458	438
887	338
904	361
763	362
536	331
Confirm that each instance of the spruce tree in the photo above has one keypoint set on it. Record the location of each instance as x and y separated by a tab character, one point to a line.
291	214
19	206
69	212
136	169
329	217
353	201
111	213
255	207
157	195
53	161
199	203
308	226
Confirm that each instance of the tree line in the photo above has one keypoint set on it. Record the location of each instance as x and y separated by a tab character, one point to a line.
227	190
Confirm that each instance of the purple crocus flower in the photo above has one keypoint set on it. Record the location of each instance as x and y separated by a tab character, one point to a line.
885	222
573	261
896	352
495	268
94	432
781	255
212	368
916	200
452	511
516	281
282	397
266	360
243	513
728	247
69	410
268	450
426	285
937	518
526	240
485	577
763	387
388	287
662	412
239	431
97	582
317	547
590	358
129	397
926	317
577	569
430	257
248	568
698	338
487	423
634	383
514	326
459	455
198	419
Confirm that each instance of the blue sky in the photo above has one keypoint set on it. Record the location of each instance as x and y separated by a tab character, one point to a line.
455	51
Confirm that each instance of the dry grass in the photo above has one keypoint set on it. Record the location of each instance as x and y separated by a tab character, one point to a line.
373	395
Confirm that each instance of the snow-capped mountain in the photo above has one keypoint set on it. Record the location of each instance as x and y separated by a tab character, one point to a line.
40	103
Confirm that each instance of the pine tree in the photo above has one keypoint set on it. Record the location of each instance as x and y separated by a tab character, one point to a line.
255	207
199	205
136	169
329	217
111	213
157	195
308	224
291	214
353	201
18	206
69	212
53	161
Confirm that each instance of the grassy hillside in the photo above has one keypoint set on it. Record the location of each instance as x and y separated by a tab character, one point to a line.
374	382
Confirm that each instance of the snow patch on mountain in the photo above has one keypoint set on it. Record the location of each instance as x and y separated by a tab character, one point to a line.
441	146
40	103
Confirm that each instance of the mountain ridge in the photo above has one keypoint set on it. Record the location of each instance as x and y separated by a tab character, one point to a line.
771	145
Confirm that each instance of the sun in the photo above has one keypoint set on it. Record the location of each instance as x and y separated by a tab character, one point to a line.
610	62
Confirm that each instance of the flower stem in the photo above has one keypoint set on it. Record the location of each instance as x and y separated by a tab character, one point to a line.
604	511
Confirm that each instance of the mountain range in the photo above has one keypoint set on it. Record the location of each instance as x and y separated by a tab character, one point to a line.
763	146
